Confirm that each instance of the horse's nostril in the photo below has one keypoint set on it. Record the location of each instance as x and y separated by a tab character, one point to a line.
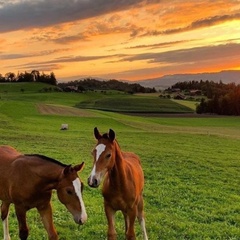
95	183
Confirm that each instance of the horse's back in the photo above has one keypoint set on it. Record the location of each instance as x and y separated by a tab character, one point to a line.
8	153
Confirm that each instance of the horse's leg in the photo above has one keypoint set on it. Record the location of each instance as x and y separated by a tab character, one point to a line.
22	223
141	219
126	222
47	219
132	213
112	235
4	217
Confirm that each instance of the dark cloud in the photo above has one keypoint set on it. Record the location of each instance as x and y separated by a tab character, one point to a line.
77	59
84	58
182	56
55	63
13	56
36	66
34	14
161	45
197	54
92	29
70	39
4	56
214	20
44	67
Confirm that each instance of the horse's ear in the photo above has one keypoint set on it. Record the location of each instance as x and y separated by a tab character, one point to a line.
97	134
79	167
67	169
111	135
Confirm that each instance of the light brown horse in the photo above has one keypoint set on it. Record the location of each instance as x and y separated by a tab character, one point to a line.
27	181
123	183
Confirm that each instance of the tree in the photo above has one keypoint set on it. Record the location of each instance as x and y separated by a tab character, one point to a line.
10	77
27	77
202	107
36	75
52	79
2	78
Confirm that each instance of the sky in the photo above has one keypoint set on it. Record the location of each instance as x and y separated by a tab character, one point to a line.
119	39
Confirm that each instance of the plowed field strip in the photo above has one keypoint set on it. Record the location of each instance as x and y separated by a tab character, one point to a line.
63	110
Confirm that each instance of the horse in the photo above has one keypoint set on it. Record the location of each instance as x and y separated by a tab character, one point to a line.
27	181
122	186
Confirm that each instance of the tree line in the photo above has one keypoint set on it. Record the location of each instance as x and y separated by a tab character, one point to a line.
220	98
77	85
33	76
93	84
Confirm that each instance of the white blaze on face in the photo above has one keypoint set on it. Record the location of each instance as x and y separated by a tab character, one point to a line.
100	148
77	187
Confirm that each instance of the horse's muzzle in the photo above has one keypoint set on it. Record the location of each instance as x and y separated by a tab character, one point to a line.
93	182
80	220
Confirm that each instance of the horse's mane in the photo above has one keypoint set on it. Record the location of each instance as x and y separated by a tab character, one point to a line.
46	159
105	135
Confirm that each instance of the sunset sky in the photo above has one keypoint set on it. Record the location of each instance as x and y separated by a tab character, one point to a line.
119	39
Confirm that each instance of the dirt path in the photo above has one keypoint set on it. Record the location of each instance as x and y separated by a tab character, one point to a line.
63	110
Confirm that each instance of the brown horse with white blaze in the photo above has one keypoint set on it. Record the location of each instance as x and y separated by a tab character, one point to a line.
123	184
27	182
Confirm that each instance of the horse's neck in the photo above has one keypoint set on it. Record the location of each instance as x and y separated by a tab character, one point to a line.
118	172
49	174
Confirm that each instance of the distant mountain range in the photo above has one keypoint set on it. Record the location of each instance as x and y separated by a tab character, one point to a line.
226	76
169	80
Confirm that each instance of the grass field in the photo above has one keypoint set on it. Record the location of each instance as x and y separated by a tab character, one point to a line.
135	104
191	165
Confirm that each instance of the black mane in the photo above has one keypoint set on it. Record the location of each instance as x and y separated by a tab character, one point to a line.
46	159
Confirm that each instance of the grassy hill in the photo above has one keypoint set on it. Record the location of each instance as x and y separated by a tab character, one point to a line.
20	87
107	100
191	165
135	104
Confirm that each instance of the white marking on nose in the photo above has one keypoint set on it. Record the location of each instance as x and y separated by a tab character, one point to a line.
100	149
77	187
93	172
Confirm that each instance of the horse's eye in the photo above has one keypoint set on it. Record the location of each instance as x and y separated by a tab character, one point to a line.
69	192
108	155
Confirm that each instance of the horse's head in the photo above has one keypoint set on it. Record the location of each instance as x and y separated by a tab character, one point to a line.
69	192
104	156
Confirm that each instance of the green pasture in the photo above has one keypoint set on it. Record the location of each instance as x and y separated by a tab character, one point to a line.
191	165
16	88
135	104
